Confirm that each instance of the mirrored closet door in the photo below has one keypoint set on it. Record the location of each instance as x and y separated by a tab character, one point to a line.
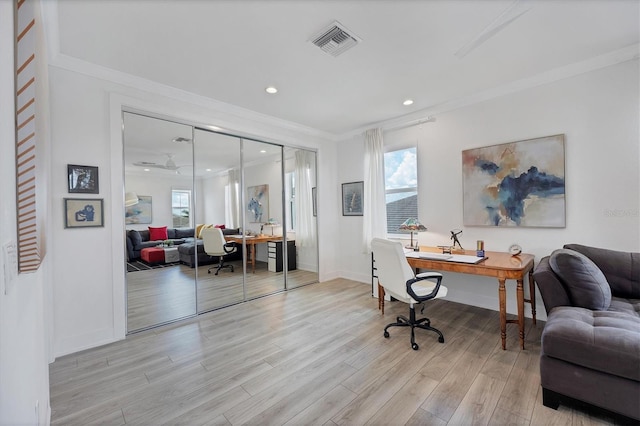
158	164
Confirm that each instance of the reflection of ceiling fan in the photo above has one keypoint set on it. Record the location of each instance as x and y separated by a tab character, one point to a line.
169	165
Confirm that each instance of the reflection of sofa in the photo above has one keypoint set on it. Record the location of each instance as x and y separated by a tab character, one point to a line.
591	341
183	238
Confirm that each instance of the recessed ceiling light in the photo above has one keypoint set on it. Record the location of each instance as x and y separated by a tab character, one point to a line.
271	90
147	170
262	151
208	170
407	102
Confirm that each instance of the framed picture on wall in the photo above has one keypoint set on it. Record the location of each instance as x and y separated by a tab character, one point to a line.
352	193
82	179
83	212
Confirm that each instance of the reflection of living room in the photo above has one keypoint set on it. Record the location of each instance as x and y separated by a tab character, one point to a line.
177	200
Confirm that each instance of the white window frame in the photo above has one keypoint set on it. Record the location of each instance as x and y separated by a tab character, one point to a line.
189	207
398	234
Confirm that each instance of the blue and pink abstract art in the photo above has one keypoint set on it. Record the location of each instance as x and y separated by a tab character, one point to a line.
515	184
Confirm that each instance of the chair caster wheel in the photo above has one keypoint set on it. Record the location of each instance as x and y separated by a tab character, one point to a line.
208	272
386	334
441	339
415	346
215	273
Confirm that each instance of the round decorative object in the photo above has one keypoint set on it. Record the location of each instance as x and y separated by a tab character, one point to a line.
515	249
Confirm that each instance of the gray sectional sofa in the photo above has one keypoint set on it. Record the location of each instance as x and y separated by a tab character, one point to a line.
188	246
591	342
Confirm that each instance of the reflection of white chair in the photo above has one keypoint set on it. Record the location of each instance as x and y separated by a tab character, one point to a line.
398	280
215	245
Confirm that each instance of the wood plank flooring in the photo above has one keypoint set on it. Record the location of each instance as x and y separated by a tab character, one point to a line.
311	356
161	295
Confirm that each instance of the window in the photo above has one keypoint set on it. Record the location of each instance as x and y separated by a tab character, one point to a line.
401	187
181	208
290	195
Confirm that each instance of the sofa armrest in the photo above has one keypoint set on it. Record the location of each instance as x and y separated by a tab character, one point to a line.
551	288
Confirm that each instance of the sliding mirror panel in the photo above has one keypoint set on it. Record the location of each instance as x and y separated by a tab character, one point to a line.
301	212
264	218
219	197
158	164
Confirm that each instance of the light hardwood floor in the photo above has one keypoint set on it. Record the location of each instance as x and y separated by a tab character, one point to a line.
311	356
161	295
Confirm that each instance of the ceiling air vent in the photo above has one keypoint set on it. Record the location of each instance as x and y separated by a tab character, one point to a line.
335	39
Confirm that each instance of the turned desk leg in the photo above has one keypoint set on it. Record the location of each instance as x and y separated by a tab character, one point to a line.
520	298
381	298
502	295
532	295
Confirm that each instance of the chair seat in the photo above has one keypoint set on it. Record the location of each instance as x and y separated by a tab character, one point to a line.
422	288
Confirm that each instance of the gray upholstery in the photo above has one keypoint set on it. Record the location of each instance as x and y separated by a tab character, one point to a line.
584	281
592	355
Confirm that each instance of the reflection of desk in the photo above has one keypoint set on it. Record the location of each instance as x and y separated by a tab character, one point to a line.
500	265
251	242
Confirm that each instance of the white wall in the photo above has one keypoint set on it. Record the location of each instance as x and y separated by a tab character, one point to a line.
212	200
599	114
159	187
24	335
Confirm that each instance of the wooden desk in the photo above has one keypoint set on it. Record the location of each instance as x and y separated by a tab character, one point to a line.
500	265
251	244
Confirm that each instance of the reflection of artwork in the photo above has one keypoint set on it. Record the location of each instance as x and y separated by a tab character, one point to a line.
139	213
83	213
515	184
352	198
258	203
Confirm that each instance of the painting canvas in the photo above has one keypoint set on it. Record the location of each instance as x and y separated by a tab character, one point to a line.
82	179
515	184
139	213
352	198
258	203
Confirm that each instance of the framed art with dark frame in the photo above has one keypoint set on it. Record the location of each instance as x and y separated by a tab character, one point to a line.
83	212
352	193
82	179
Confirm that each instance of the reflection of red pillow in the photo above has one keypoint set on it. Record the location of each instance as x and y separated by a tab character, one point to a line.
221	226
159	233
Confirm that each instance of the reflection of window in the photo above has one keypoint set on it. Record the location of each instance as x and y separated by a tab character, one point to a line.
181	208
290	196
401	187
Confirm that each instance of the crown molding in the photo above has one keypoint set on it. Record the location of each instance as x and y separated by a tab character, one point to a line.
615	57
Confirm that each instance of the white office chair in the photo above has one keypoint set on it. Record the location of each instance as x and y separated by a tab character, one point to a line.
398	280
215	245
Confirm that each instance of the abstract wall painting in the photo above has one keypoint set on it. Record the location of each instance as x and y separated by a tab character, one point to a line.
517	184
258	203
140	213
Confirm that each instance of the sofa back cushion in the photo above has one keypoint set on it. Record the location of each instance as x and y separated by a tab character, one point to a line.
158	233
622	269
184	232
135	237
586	284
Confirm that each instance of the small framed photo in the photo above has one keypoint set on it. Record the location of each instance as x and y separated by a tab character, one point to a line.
83	212
82	179
352	194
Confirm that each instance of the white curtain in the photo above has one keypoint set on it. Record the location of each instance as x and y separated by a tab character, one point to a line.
374	222
232	206
304	225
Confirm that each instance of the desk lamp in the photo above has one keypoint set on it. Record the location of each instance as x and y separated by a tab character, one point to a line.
412	225
271	222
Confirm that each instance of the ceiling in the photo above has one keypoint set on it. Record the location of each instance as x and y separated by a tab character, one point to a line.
434	52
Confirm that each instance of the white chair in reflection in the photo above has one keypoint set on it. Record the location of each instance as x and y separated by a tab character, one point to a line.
215	245
398	280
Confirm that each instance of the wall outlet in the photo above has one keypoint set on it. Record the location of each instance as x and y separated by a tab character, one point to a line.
9	264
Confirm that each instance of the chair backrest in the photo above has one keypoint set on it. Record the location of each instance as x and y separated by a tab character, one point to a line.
393	270
213	241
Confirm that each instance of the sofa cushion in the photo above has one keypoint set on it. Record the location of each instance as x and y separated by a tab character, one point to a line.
157	233
622	269
584	281
136	238
184	232
601	340
171	234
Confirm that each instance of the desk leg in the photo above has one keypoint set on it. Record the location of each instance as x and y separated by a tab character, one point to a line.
502	295
532	295
520	297
381	298
253	258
